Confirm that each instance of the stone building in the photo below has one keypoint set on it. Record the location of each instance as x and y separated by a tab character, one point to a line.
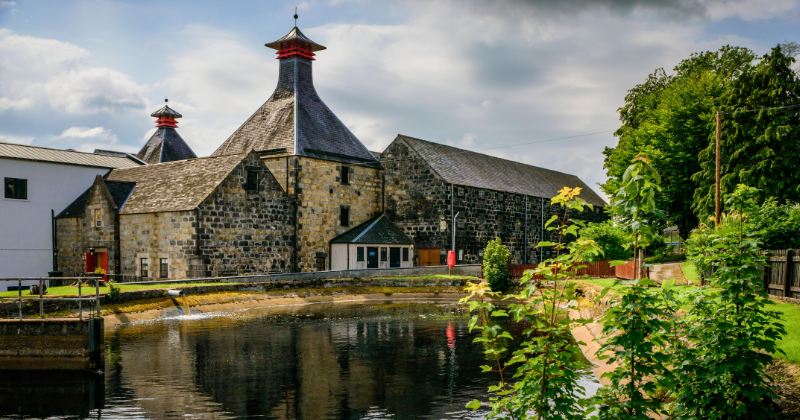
334	182
428	183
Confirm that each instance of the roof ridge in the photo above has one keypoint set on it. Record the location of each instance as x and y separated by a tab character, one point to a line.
61	150
185	160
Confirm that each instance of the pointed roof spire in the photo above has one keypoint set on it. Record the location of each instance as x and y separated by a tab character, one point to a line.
166	145
166	116
295	44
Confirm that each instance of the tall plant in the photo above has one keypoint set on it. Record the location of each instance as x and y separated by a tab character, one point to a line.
545	383
733	334
495	265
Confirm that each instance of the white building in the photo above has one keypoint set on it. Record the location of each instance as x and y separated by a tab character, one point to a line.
37	183
376	243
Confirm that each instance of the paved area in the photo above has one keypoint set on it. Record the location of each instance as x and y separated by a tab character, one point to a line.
662	272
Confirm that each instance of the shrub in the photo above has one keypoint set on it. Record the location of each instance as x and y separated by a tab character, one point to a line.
495	265
611	239
113	292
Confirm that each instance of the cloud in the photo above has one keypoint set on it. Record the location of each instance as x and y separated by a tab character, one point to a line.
46	72
16	139
86	132
88	139
6	3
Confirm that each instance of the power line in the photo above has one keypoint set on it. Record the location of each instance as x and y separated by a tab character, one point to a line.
761	109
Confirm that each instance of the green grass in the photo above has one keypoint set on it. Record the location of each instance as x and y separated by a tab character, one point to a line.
790	315
70	290
691	272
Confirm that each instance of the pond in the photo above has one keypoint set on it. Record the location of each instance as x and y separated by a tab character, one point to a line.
368	360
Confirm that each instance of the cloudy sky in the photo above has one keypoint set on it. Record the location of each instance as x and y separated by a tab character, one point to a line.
475	74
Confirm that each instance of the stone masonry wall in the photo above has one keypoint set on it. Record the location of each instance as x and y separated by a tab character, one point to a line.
246	231
418	200
321	195
169	235
77	235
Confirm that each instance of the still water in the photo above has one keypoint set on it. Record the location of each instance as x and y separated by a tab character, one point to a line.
374	360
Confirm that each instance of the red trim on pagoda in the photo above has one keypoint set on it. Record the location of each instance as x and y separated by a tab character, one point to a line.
166	122
295	48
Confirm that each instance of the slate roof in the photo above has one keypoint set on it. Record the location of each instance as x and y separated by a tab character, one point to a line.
165	145
463	167
166	110
68	157
295	121
119	191
378	230
174	186
295	34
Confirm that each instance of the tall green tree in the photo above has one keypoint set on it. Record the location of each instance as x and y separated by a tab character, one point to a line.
760	135
667	118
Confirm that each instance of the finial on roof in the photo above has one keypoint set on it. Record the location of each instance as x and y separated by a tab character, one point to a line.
166	116
166	100
295	44
295	16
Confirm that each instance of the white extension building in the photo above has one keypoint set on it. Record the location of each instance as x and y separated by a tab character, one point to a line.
376	243
38	182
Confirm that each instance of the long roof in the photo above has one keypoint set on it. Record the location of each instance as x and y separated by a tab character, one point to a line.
174	186
378	230
67	157
463	167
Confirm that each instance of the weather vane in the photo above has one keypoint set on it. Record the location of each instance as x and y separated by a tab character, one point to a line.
295	16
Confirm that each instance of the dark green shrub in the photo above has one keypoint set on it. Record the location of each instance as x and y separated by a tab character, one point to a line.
495	265
113	292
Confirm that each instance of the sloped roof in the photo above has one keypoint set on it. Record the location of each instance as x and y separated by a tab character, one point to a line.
292	35
463	167
295	121
174	186
165	145
166	110
378	230
118	192
67	157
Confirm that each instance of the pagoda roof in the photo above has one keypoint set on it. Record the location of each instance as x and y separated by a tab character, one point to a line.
166	110
295	34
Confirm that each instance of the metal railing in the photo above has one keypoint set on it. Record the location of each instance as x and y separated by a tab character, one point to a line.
94	308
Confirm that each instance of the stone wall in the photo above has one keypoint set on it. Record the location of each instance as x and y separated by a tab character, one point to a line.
170	235
320	197
77	235
51	344
418	200
244	231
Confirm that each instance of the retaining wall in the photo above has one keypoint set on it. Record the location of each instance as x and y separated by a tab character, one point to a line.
51	344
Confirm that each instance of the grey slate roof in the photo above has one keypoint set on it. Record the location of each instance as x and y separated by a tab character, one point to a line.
463	167
119	192
378	230
68	157
295	34
294	118
174	186
165	145
166	110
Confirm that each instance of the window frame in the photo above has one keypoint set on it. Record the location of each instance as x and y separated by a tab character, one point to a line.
345	175
360	254
144	267
344	216
249	186
98	218
405	254
163	268
384	253
15	195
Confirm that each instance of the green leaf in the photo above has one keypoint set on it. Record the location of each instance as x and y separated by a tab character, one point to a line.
473	405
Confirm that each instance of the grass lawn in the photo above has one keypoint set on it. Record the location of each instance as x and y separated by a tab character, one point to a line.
70	290
691	272
790	315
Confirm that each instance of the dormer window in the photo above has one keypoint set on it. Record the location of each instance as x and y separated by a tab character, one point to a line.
251	182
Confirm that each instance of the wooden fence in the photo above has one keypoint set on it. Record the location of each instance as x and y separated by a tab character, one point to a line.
782	274
628	272
595	269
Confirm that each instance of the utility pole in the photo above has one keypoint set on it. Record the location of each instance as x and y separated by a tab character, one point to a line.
716	195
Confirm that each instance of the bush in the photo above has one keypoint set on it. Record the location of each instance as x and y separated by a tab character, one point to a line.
495	265
610	238
113	292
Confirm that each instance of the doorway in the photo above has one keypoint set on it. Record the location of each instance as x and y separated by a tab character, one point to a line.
394	257
372	257
428	257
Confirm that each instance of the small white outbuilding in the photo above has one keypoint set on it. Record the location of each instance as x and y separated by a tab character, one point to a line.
376	243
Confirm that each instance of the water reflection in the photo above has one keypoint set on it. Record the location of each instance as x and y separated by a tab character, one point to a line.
333	361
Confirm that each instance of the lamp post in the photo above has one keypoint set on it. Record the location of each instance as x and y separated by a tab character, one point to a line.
454	230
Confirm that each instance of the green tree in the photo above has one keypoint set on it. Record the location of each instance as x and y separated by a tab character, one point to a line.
759	135
495	265
610	238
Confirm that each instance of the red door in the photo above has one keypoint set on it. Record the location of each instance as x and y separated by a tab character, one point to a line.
100	260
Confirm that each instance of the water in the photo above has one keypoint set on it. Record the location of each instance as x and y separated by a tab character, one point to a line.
377	360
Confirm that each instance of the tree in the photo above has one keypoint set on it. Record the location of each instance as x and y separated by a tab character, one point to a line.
667	118
495	265
760	134
610	238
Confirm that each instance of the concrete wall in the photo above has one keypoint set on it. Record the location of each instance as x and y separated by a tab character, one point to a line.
25	229
50	344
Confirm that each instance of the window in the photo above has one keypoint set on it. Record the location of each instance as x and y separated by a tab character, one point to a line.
344	218
251	183
345	175
405	254
460	192
16	188
360	253
163	271
384	251
320	263
481	193
98	221
144	272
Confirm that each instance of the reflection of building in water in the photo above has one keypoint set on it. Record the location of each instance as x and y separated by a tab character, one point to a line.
295	367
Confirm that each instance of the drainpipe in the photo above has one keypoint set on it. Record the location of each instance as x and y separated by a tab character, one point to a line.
295	205
525	242
55	240
383	192
541	234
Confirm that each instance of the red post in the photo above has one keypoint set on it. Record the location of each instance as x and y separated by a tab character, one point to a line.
451	261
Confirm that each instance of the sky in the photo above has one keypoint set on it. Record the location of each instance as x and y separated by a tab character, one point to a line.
483	75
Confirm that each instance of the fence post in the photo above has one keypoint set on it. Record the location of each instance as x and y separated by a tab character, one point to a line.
19	288
41	302
787	274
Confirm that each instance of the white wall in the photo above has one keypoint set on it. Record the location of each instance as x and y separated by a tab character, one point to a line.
339	262
25	225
